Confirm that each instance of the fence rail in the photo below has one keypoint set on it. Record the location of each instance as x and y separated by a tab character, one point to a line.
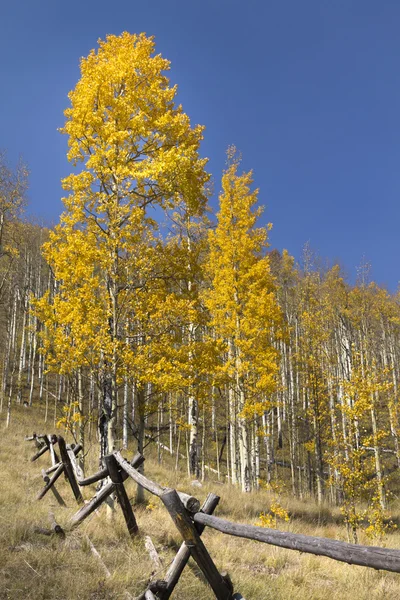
191	520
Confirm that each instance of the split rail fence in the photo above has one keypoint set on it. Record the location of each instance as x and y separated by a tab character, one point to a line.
189	518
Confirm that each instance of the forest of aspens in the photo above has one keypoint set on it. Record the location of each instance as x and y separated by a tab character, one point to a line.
143	318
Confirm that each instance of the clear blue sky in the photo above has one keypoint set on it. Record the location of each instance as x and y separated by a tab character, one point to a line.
308	90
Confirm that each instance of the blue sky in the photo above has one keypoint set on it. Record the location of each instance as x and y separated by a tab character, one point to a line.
309	92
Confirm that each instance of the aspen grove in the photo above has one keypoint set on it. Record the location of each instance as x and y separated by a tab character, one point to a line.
145	318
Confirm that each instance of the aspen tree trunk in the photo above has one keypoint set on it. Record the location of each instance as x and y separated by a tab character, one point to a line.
34	348
125	407
232	419
141	399
108	418
81	419
392	403
41	376
133	403
298	406
193	417
203	447
291	419
125	414
365	359
378	467
6	364
267	443
35	325
92	396
193	436
159	419
22	351
318	462
334	440
217	455
345	372
243	436
256	455
213	418
171	437
105	431
228	446
46	413
57	396
13	351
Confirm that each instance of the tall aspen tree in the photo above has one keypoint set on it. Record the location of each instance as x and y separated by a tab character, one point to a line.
137	150
243	309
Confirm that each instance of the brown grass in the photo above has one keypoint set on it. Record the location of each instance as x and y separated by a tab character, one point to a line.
39	567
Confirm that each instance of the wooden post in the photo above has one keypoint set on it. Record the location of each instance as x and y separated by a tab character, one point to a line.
76	468
51	482
50	440
91	506
54	457
101	496
53	488
53	468
42	450
123	499
183	555
193	541
69	472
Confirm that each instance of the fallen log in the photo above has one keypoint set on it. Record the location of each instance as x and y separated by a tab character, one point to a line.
97	555
366	556
55	528
151	549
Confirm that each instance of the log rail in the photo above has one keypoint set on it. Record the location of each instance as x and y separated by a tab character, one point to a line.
386	559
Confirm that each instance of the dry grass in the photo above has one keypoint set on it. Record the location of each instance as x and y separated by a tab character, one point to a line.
39	567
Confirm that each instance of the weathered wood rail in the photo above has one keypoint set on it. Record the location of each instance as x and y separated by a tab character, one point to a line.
191	521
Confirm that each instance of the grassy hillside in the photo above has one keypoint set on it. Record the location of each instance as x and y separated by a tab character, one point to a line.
39	567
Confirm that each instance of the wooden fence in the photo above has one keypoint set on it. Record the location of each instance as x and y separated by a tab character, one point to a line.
189	518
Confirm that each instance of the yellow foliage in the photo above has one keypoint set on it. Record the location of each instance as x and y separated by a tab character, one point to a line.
270	519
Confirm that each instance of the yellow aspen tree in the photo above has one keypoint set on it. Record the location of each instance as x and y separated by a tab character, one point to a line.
287	291
185	252
314	337
136	149
243	308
